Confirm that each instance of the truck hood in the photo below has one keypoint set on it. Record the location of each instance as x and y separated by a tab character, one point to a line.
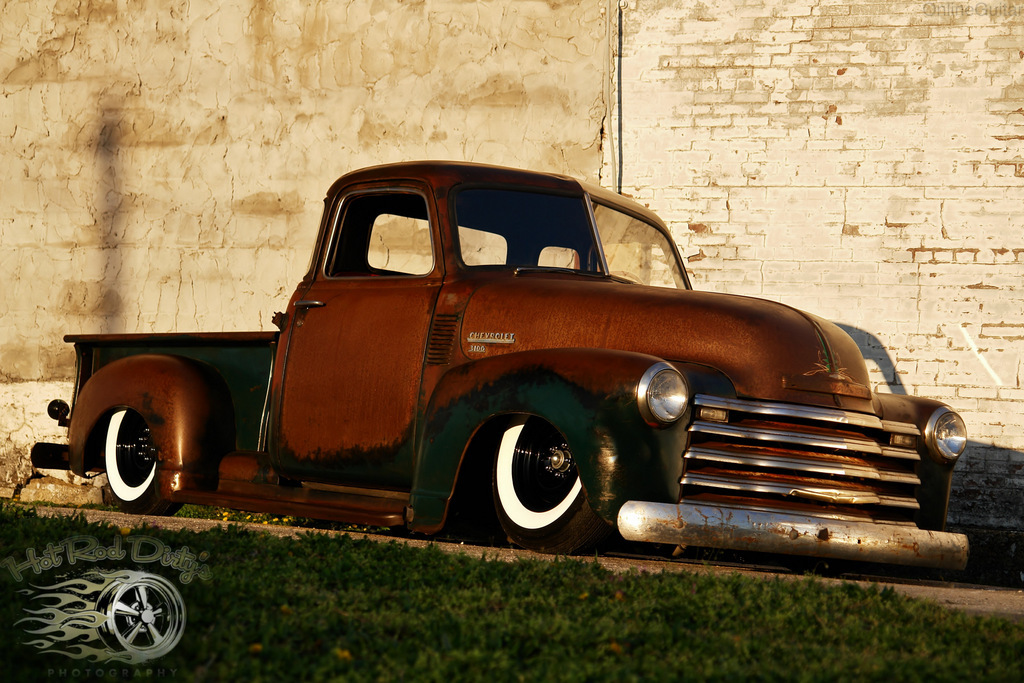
768	351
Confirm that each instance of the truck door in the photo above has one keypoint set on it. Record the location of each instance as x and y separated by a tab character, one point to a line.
346	411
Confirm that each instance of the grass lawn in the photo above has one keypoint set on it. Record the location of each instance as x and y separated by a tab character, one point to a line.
335	608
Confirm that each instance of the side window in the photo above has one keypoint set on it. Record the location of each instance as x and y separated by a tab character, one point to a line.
386	233
400	244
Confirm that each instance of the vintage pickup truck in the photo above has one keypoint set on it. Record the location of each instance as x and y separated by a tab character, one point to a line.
465	329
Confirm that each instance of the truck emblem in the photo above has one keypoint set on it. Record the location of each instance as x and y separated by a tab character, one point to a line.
491	338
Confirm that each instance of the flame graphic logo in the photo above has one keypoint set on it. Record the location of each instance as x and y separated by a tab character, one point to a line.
118	616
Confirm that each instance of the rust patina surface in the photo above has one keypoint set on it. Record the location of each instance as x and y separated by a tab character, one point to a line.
473	338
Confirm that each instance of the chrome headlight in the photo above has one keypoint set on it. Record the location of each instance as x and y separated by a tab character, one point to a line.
946	435
662	394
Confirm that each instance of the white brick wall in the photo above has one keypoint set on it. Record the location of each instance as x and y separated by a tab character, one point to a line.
864	162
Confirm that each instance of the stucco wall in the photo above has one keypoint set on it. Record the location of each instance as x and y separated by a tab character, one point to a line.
862	161
163	164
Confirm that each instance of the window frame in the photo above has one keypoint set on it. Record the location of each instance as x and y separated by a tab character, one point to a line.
337	218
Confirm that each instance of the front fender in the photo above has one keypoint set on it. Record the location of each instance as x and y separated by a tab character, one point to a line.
936	477
588	394
185	403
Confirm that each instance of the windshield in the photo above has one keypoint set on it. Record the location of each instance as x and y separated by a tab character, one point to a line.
637	250
525	229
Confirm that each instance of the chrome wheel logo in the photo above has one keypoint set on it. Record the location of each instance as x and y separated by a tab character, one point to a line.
105	614
120	616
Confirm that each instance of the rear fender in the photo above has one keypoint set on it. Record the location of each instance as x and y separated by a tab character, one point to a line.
587	394
185	403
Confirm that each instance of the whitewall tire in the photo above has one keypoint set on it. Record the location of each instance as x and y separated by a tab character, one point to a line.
130	459
538	493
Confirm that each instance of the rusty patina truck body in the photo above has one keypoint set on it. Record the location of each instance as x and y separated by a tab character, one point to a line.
473	328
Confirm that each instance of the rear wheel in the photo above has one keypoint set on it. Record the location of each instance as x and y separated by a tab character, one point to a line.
537	490
131	463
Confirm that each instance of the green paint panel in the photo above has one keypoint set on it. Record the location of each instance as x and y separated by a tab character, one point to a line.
245	368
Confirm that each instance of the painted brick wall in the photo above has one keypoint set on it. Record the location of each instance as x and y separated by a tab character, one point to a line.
163	164
862	161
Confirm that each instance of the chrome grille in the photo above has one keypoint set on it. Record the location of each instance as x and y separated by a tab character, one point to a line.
824	461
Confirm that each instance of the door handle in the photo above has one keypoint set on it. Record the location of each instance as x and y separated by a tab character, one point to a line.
309	303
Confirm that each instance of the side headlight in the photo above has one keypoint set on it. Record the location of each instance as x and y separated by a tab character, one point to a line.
662	394
946	435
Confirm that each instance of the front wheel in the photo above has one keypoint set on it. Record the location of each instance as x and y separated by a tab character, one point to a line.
538	493
131	463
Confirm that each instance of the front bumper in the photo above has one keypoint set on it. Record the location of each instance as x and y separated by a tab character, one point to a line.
741	528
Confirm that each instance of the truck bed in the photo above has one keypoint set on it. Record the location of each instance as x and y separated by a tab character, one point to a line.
244	359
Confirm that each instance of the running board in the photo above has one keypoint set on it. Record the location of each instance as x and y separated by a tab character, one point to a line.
297	501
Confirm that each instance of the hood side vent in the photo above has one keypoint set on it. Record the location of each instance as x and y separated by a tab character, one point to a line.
442	338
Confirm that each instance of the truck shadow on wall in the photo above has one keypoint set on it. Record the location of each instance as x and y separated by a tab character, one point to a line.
985	504
874	350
